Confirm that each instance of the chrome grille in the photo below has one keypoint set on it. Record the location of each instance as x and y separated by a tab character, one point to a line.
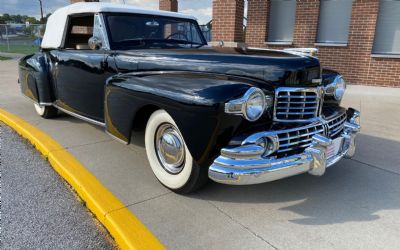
297	138
336	125
300	137
297	104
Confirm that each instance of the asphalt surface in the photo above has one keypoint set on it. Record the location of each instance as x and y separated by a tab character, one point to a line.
38	209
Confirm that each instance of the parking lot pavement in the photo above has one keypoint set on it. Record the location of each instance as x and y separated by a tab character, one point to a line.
38	210
356	204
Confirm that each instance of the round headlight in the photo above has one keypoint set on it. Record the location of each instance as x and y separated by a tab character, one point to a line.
255	104
336	88
340	87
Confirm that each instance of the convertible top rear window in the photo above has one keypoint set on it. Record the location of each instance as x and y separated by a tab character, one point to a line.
127	31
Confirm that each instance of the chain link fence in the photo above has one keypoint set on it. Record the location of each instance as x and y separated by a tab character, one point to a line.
21	38
26	38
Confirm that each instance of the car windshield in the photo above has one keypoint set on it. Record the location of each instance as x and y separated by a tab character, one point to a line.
127	31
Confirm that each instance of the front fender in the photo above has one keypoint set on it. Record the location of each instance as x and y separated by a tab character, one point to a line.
195	101
34	78
328	75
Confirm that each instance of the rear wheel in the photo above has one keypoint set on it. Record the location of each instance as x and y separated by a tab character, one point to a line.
169	158
46	111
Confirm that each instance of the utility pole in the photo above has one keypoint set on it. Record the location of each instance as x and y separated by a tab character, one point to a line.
8	42
41	11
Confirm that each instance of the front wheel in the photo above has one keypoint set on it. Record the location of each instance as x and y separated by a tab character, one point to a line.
46	111
169	157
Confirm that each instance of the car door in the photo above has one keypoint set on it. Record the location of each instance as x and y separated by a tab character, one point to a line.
80	77
79	72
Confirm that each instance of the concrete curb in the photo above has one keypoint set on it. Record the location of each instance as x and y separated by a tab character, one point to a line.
127	230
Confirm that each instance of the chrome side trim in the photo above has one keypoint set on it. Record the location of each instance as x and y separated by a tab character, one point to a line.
101	124
46	104
81	117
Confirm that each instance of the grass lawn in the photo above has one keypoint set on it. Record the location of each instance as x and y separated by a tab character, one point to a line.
3	58
19	49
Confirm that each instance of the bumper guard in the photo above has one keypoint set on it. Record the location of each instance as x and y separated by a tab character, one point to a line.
254	169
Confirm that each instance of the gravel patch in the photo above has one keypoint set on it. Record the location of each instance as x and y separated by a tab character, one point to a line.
39	210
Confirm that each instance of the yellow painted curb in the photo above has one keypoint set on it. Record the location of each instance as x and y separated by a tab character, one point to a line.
127	230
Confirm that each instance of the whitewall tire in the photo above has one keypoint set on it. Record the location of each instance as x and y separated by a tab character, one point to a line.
45	111
169	156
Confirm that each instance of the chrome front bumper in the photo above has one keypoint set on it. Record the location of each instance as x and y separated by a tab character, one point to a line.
251	168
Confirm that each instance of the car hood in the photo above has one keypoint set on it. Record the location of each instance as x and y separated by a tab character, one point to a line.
275	67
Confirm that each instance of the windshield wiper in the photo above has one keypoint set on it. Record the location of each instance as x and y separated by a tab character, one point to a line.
135	42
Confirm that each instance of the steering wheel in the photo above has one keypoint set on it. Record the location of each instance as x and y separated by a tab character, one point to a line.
179	33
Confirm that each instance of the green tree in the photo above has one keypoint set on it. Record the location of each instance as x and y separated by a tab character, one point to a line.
32	20
6	17
18	19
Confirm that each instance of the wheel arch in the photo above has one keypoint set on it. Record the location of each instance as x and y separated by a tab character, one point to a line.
197	110
142	116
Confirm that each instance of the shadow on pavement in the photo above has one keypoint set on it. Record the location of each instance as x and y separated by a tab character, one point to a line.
353	190
349	191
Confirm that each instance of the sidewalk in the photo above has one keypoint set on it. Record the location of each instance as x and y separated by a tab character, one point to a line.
356	204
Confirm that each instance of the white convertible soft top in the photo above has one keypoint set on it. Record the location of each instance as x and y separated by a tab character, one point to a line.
57	22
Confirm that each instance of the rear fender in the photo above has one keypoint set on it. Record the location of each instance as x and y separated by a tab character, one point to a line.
34	78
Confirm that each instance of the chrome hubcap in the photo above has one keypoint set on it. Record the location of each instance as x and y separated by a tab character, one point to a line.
170	148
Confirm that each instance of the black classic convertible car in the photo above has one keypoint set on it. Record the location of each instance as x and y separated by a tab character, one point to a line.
234	115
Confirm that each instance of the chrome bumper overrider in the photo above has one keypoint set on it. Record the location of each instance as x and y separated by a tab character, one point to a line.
249	167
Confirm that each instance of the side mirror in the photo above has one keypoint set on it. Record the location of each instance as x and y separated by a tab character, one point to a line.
95	43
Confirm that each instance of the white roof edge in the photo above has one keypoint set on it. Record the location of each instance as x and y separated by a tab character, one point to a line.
58	20
97	7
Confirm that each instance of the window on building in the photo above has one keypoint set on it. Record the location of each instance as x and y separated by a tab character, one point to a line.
282	18
387	35
334	21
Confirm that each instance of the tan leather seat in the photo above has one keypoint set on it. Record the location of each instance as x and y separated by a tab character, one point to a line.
82	46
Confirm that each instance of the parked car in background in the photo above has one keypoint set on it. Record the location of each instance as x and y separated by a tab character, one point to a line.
236	116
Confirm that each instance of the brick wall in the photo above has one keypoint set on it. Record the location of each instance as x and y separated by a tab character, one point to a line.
354	61
257	22
168	5
305	29
228	20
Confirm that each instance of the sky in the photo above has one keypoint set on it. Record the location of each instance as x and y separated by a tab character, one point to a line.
198	8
